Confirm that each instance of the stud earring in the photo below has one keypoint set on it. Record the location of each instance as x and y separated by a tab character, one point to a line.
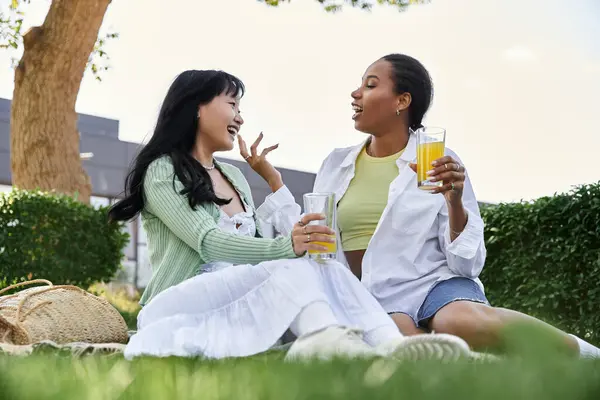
398	112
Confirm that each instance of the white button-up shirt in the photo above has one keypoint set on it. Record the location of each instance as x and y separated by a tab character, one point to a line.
411	248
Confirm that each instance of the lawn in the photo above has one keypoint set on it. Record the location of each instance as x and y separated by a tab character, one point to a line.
539	372
269	377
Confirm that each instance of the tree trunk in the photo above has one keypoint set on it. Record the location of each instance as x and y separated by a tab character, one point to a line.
43	122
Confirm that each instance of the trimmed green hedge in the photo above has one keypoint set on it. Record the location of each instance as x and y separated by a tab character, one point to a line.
544	259
57	238
543	256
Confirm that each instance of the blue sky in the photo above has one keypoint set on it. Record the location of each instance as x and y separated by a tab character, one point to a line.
516	81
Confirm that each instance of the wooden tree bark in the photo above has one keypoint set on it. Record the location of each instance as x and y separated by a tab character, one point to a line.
44	134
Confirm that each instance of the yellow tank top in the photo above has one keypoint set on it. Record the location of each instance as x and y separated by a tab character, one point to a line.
361	207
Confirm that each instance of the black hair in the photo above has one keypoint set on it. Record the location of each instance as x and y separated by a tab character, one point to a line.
410	76
175	136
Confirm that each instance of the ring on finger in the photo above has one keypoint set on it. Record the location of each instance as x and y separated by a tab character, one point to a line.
457	166
304	230
446	166
452	186
247	157
308	238
301	223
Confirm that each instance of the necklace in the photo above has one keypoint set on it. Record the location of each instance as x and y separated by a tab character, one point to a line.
206	167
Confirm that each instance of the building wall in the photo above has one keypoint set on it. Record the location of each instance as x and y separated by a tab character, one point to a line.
108	168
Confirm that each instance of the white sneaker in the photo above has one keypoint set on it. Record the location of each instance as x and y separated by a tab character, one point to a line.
335	341
435	346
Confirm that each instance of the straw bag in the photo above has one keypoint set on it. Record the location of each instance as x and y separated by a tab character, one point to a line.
62	314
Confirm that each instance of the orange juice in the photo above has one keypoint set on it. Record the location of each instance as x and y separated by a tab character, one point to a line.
331	247
322	203
426	154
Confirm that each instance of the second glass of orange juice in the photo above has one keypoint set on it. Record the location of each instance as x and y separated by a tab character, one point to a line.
431	144
322	203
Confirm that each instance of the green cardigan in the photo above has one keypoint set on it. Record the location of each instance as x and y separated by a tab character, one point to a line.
180	239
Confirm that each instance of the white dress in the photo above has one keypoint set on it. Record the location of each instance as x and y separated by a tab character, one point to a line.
239	310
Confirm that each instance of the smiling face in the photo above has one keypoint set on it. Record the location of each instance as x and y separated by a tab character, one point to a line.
219	123
376	104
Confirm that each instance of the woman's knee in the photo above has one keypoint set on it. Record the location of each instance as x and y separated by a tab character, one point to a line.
337	266
466	318
299	270
406	324
338	271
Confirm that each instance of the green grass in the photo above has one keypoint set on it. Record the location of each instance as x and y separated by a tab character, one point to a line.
541	371
269	377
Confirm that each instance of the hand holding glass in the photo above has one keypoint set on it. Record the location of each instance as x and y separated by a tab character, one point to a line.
430	147
322	203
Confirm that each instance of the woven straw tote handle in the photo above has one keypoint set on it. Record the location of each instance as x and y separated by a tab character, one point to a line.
51	287
18	317
4	322
16	285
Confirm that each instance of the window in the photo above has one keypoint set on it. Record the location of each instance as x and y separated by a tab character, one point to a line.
129	250
144	268
97	202
142	238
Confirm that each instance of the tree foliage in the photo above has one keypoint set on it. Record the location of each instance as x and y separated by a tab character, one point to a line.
337	5
12	24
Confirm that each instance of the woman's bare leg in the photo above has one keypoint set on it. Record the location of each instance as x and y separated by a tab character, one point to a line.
406	325
482	326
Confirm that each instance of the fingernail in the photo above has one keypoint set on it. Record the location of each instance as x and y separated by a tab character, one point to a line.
434	163
322	248
433	179
431	172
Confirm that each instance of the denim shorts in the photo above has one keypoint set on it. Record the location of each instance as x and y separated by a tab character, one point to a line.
446	292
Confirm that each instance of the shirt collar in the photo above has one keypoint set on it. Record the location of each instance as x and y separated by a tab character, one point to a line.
409	154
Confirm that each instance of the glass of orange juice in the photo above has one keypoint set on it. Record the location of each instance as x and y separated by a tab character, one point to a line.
322	203
430	146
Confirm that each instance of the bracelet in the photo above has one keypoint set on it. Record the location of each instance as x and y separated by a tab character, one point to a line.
456	233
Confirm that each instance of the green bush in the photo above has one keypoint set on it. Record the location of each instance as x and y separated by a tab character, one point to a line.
544	259
57	238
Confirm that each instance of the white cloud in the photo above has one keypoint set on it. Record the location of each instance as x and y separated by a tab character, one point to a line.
519	54
475	83
592	67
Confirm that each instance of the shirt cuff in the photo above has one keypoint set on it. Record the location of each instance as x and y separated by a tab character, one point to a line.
467	243
291	254
274	202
